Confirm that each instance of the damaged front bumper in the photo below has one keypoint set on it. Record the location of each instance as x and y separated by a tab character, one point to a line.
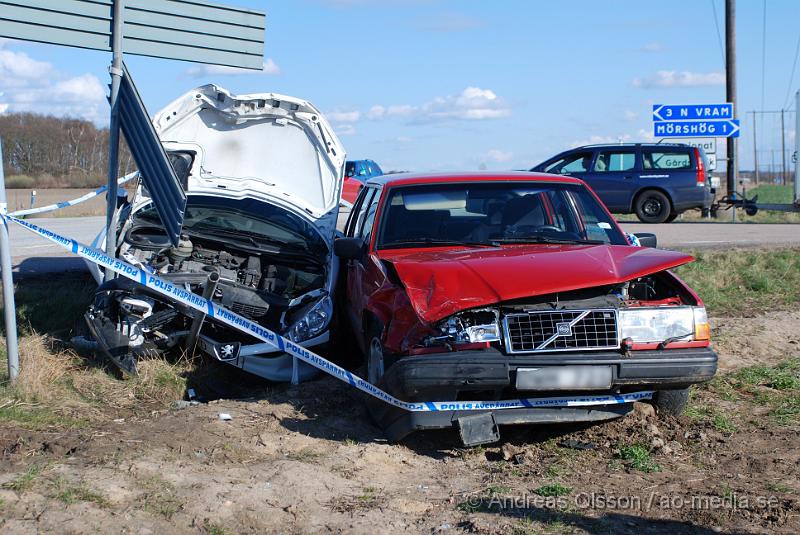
491	375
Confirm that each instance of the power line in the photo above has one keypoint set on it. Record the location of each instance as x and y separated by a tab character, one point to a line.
719	35
791	78
764	55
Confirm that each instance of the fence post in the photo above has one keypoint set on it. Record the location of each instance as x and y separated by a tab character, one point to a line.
9	310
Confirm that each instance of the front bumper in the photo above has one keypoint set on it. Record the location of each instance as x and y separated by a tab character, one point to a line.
489	374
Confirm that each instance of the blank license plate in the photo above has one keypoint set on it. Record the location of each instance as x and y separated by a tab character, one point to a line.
564	378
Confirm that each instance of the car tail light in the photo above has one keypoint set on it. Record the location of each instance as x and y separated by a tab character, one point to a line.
701	168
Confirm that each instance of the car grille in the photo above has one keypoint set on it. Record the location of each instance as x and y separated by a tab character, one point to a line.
249	311
562	330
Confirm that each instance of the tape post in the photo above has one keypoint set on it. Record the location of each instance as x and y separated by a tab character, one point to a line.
242	324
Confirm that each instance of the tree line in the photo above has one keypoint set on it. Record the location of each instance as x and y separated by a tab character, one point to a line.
46	151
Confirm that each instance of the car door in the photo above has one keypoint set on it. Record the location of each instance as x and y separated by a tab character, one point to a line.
614	176
362	275
674	170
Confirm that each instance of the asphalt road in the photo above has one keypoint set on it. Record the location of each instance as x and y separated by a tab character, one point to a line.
32	255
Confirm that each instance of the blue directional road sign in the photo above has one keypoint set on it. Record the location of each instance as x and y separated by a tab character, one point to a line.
692	112
728	128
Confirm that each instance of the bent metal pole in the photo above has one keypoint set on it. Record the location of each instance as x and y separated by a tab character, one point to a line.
113	133
9	310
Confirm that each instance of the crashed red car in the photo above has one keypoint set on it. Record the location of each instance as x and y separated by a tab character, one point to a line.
513	285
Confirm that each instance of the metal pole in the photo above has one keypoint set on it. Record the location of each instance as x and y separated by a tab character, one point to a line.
208	291
9	309
730	86
797	148
783	151
113	133
755	147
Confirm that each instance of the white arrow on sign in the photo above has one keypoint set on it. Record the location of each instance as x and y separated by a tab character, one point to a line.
657	113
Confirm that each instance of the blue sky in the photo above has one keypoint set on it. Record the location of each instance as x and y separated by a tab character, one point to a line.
433	85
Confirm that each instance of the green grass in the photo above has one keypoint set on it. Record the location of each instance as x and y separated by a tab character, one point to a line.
25	481
744	282
33	416
82	494
214	529
553	489
47	306
772	194
638	457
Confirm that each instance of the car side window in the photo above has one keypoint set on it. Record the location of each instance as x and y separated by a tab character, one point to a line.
369	218
578	162
615	161
667	160
363	211
376	169
355	212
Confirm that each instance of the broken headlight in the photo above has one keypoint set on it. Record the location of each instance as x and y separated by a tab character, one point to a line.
663	323
471	327
313	322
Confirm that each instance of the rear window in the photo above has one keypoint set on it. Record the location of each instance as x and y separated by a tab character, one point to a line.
667	160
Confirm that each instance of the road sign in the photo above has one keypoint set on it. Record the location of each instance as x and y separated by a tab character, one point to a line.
708	144
712	161
188	30
692	112
729	128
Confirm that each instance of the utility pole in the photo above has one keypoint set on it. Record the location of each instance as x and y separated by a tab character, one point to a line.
730	87
783	150
797	149
113	134
755	146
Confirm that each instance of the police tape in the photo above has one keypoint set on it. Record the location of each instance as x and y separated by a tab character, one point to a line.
244	325
73	202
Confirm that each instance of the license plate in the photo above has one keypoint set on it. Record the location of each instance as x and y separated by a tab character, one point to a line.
564	378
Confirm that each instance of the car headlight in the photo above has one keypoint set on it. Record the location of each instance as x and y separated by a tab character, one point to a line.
314	322
472	327
643	325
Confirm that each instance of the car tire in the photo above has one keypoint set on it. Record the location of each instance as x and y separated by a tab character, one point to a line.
375	360
672	217
652	206
671	402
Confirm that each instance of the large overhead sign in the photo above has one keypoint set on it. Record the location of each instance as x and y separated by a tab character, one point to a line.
174	29
694	120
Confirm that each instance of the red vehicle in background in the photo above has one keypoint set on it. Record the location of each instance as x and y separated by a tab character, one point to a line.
501	286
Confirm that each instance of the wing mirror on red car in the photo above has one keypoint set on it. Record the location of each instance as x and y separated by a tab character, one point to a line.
348	248
647	239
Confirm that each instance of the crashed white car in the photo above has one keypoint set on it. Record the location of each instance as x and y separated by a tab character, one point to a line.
263	177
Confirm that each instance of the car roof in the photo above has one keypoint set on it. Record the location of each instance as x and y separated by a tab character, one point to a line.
615	145
408	179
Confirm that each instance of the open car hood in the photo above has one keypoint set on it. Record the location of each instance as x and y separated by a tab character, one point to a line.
266	146
440	283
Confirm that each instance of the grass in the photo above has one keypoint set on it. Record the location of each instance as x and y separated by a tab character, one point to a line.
638	457
742	282
25	481
553	489
160	497
73	495
214	529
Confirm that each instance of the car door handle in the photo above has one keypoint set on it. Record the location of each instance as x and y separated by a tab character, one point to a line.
628	177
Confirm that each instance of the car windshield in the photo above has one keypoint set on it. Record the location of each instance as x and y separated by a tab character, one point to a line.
494	213
242	220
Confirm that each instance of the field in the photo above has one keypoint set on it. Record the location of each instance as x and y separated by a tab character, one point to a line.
20	199
83	451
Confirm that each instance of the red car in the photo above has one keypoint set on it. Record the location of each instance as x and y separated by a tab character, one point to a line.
513	285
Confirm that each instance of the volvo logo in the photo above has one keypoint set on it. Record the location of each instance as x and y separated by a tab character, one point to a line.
564	329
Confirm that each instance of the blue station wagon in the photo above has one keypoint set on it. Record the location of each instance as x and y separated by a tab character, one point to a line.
657	182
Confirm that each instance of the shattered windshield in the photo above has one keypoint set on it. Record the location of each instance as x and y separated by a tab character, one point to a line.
494	213
244	220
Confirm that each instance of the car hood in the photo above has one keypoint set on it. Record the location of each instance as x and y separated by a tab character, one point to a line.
265	146
441	282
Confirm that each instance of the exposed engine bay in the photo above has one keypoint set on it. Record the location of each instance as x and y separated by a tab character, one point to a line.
274	286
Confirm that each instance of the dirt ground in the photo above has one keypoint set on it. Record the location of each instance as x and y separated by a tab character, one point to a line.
306	459
20	199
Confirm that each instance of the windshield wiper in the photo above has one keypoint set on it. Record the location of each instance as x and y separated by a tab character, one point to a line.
436	241
547	239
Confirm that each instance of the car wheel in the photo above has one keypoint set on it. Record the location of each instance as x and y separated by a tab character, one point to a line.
672	402
652	206
671	217
375	362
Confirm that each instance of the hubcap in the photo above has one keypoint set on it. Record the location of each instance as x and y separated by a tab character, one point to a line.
652	207
375	361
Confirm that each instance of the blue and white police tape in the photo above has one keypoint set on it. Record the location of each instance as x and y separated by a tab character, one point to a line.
73	202
244	325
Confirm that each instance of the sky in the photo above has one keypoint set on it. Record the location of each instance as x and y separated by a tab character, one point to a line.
423	85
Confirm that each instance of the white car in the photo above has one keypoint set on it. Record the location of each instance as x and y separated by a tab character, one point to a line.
263	178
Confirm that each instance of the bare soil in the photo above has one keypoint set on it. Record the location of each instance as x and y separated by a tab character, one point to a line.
308	459
20	199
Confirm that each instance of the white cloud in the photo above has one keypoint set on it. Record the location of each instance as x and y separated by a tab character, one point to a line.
37	86
345	129
497	155
597	140
376	112
680	79
201	71
343	116
401	110
652	47
473	103
630	115
3	107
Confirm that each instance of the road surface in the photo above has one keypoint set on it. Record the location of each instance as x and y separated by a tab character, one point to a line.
33	255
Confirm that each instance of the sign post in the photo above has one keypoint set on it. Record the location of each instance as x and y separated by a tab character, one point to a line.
9	310
113	132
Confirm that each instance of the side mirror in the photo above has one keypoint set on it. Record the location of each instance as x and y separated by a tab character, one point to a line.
647	239
348	248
